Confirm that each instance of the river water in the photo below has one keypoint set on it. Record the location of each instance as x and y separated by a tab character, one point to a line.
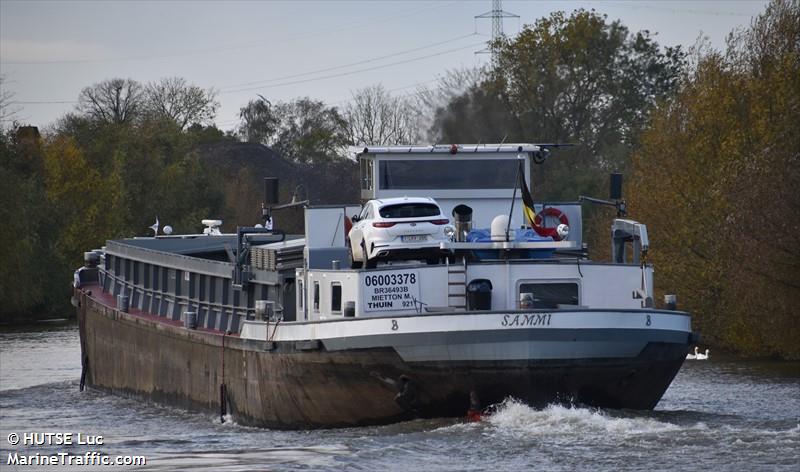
719	414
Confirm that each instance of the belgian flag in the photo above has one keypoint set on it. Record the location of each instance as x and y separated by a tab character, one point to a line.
527	200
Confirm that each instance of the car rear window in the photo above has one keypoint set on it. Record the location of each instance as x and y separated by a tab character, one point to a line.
409	210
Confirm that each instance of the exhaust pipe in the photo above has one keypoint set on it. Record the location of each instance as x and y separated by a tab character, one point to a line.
462	217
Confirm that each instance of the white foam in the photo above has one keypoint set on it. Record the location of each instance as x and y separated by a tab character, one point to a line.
517	418
458	427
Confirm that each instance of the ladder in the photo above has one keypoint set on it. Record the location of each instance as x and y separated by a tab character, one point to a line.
457	285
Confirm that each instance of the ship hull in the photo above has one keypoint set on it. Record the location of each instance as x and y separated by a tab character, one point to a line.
314	384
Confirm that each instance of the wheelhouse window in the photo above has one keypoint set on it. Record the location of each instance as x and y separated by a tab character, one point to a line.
448	174
336	297
316	296
551	295
409	210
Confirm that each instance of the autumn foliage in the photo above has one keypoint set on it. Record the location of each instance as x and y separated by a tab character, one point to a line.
717	180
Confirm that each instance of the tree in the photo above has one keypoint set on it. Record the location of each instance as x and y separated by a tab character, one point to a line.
185	104
302	130
374	117
7	111
576	79
583	78
259	122
427	101
716	178
84	200
310	131
207	134
118	101
26	236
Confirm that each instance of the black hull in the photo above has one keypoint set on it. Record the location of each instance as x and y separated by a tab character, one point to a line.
295	385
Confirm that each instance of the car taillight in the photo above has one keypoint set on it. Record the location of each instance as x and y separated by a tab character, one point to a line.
440	222
382	224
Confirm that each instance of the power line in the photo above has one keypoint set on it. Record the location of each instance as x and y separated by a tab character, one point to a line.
51	102
365	61
369	22
343	74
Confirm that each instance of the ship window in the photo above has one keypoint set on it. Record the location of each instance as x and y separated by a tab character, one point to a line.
551	295
336	296
316	296
448	174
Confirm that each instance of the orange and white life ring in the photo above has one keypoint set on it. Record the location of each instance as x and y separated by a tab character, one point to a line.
538	222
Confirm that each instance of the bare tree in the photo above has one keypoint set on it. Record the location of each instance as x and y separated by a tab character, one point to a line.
112	101
7	111
185	104
374	117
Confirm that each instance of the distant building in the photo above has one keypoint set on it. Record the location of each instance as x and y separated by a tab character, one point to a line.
28	135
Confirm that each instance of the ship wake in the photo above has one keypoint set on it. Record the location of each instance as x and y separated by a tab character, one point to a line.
520	420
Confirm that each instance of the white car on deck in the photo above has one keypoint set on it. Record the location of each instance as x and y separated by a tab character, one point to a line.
398	228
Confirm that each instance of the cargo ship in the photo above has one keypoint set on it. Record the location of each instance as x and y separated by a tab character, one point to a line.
337	327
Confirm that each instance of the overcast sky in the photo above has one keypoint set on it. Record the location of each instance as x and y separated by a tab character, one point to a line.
50	50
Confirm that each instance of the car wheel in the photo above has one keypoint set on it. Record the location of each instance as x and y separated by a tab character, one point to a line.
354	264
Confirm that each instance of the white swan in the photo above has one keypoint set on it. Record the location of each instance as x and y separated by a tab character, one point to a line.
692	356
702	357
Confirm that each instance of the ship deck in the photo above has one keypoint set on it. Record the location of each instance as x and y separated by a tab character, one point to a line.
95	291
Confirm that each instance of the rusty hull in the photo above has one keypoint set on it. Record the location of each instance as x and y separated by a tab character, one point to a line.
301	385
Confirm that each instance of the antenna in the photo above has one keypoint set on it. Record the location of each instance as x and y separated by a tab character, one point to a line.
496	14
154	227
